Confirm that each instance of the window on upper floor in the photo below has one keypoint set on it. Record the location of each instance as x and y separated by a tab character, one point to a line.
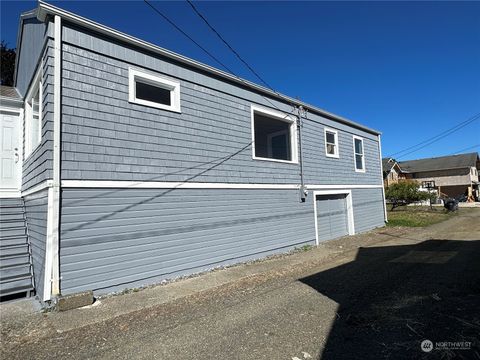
153	90
358	154
274	135
33	116
331	143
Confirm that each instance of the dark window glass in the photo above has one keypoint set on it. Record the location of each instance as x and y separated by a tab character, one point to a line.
152	93
330	138
358	146
272	138
359	162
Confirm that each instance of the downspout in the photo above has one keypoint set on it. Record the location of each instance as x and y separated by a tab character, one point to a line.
52	263
303	190
381	176
56	153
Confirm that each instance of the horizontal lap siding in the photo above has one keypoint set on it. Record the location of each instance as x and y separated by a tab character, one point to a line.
116	238
104	137
367	209
36	212
39	164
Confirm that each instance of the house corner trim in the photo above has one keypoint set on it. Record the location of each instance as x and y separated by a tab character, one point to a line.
52	263
381	177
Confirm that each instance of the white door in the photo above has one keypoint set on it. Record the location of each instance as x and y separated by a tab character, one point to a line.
9	152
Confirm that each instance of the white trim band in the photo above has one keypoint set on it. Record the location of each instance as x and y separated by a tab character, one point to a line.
198	185
42	186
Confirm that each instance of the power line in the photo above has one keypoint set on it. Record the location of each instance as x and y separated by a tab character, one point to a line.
215	58
465	149
228	45
435	138
449	131
188	36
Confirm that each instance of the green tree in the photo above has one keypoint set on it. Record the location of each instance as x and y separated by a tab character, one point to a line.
404	193
7	64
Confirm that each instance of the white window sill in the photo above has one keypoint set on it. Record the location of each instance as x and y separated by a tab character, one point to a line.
336	156
155	105
275	160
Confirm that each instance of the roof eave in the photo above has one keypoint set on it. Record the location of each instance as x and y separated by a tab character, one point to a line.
428	170
45	9
25	15
8	102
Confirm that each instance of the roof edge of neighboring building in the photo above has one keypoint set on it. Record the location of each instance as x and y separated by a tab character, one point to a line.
405	165
45	9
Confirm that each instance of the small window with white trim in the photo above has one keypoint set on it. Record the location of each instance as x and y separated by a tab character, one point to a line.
153	90
274	135
33	116
359	154
331	143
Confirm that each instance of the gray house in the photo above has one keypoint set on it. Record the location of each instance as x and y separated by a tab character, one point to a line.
135	164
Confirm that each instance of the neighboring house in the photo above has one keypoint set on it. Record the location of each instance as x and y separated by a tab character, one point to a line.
138	164
453	175
392	172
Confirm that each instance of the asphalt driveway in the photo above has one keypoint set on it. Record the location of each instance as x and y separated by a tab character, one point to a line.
378	301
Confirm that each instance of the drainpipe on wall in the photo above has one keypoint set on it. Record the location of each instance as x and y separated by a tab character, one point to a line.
52	263
303	189
381	176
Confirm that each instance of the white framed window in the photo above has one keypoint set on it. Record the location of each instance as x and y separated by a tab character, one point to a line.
33	115
274	135
153	90
331	143
359	155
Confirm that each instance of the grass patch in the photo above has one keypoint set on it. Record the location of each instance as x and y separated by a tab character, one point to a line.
417	216
304	248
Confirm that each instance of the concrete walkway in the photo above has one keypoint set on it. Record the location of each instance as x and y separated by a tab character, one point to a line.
286	307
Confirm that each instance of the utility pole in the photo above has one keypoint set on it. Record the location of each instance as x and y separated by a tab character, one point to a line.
303	190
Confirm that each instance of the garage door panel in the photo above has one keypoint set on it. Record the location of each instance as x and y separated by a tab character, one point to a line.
331	216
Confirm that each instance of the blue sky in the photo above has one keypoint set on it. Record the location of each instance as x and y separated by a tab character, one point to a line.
408	69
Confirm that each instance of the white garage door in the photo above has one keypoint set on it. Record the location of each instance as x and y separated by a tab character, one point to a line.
332	217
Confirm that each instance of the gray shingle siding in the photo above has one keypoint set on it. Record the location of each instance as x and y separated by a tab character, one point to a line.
36	212
39	164
104	137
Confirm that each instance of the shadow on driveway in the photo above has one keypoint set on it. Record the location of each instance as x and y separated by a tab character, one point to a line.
392	298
